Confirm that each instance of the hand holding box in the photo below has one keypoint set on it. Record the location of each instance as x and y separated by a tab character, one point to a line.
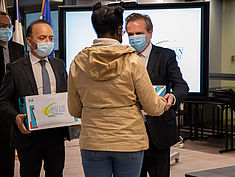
47	111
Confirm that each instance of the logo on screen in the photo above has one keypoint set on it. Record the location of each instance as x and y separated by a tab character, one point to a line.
53	110
179	51
173	45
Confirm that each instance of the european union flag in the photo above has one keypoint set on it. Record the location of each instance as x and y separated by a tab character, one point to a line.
46	15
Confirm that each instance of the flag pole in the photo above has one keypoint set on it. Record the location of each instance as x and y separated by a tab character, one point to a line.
43	4
17	17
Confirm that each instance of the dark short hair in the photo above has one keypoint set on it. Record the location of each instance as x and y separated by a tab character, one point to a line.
4	13
30	27
135	16
106	19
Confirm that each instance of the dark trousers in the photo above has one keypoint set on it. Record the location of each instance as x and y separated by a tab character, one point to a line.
156	162
47	146
7	154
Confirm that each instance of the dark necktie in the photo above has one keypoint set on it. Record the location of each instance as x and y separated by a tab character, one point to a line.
45	78
2	64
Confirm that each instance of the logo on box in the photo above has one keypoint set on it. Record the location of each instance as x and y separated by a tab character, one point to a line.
160	89
52	110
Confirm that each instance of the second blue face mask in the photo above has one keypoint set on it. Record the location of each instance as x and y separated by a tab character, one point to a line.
5	34
138	42
44	48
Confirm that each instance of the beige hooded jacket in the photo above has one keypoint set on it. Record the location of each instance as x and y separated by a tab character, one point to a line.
107	81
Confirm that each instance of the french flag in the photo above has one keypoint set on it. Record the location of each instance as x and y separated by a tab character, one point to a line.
17	33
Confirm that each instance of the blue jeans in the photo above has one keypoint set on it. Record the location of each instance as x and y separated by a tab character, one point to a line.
106	163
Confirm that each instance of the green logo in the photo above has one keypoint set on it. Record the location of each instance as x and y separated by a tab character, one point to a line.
53	110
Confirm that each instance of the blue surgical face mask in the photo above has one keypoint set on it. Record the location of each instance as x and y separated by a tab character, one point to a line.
5	34
138	42
44	49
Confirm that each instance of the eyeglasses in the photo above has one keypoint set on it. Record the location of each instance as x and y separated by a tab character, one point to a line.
2	25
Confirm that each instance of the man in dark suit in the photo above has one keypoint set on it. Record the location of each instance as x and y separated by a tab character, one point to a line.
32	75
163	70
9	52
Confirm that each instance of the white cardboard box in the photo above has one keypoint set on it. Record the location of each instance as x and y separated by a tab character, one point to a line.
47	111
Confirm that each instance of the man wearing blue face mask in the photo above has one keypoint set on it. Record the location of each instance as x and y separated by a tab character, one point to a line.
9	52
35	74
163	70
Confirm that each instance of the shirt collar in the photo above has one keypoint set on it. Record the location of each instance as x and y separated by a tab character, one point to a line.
35	59
147	51
105	42
5	46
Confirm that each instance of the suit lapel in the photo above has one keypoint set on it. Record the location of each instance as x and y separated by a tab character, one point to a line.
56	72
153	61
29	73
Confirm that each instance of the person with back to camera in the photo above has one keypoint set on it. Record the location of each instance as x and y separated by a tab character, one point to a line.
163	70
106	85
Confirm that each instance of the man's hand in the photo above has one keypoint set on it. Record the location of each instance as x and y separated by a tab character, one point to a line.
20	123
170	99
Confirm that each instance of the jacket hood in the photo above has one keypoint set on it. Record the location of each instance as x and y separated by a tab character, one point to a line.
101	62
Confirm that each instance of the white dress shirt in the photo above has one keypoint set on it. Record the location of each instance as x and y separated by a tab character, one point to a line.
145	55
37	71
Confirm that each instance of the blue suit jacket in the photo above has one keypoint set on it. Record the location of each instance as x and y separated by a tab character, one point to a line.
16	51
18	82
163	70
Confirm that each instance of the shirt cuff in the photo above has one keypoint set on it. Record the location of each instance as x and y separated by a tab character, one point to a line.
174	100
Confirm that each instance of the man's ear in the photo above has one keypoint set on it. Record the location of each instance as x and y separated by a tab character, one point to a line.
150	33
28	40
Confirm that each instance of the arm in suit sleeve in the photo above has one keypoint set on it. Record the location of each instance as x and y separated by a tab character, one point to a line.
7	109
152	103
177	84
60	74
74	102
64	77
